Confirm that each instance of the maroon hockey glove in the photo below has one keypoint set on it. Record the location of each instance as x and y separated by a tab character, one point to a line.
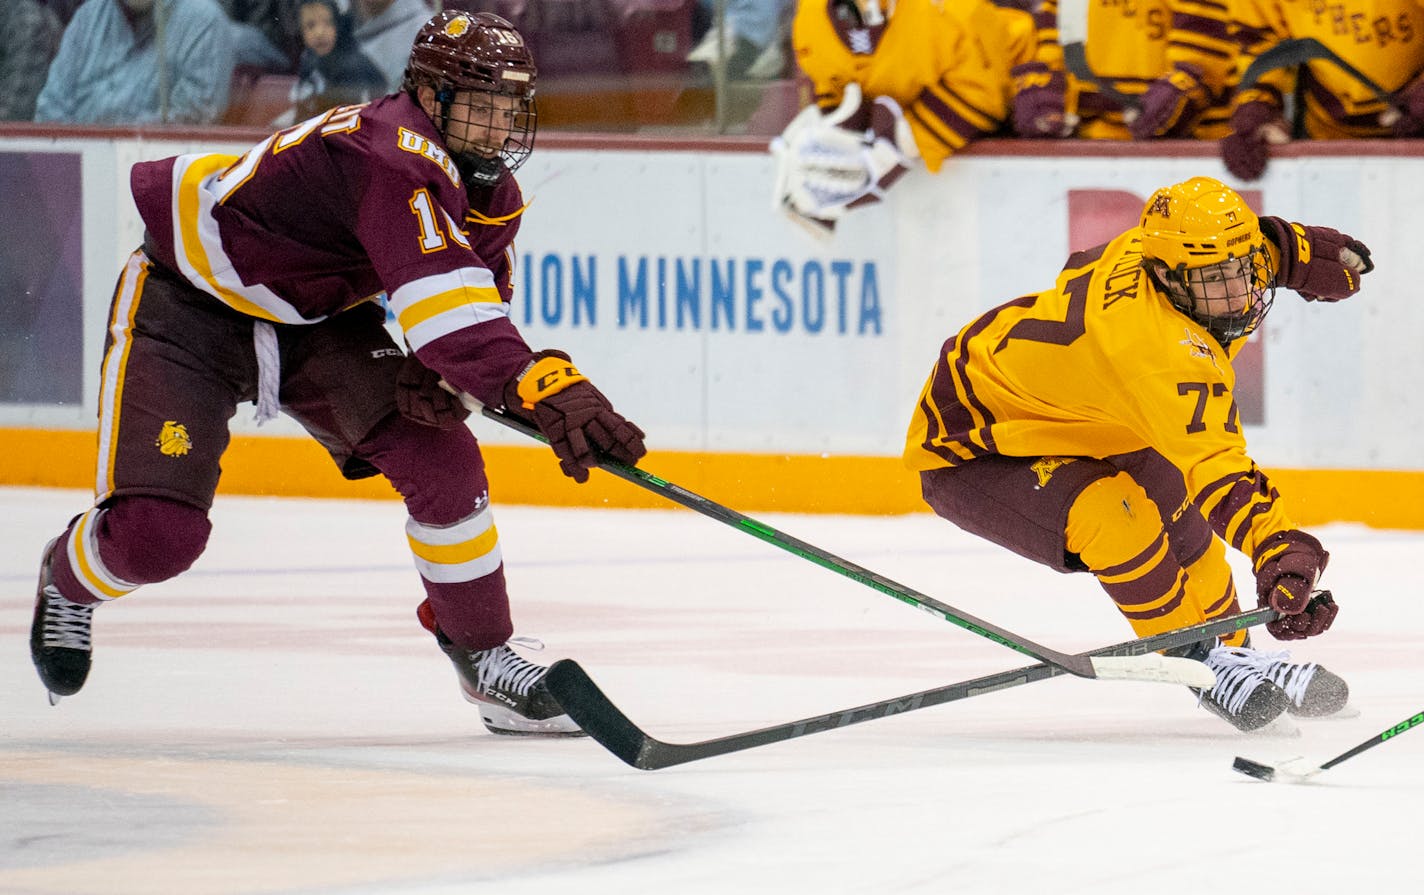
1254	126
1040	101
578	421
1409	107
1319	263
420	397
1172	104
1287	566
1319	613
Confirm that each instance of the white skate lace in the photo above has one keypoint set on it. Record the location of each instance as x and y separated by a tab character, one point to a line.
1294	679
1239	671
66	625
503	669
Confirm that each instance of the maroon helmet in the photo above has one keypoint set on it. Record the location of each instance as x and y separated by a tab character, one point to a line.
460	55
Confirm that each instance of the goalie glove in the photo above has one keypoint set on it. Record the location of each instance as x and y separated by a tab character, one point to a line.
890	149
828	163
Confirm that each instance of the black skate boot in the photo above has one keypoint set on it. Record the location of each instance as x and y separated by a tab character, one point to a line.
509	690
60	642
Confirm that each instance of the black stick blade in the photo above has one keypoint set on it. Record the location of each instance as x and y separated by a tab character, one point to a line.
1254	769
595	712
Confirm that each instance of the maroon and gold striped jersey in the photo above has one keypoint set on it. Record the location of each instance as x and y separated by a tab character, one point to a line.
1129	45
1101	364
1383	39
335	210
946	64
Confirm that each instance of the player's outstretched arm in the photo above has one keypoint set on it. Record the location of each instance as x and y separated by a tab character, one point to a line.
1319	263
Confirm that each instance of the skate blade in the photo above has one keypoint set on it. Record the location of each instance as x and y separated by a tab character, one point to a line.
516	726
503	722
54	698
1282	726
1345	714
551	734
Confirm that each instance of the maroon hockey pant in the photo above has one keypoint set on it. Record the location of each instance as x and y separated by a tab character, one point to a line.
177	363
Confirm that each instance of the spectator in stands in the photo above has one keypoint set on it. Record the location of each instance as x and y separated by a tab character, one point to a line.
333	70
29	37
385	29
264	33
109	69
65	9
753	34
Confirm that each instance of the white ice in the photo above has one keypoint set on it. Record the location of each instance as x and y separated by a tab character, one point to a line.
276	721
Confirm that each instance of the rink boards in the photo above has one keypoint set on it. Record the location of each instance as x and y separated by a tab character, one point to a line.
773	370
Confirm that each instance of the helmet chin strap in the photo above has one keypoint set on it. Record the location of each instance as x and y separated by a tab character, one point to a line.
477	170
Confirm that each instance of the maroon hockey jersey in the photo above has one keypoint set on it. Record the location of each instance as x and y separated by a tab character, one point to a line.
333	211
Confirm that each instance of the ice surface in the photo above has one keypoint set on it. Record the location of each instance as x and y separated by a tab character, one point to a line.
276	721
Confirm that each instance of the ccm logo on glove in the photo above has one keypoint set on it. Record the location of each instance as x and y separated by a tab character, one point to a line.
546	376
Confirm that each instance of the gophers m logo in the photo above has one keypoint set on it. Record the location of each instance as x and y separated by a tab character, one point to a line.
1161	205
1046	467
173	440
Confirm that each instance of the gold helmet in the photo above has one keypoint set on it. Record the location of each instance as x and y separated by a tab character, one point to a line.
1205	248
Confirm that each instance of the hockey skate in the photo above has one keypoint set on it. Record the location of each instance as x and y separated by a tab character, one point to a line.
60	636
1255	688
509	690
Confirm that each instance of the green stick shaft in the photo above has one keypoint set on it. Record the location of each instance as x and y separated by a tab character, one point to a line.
1404	726
1073	664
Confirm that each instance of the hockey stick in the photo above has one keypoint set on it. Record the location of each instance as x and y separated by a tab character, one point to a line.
1299	50
592	710
1296	771
1286	54
1163	670
1075	59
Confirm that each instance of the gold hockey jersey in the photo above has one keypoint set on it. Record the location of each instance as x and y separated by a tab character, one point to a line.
1383	39
1101	364
946	64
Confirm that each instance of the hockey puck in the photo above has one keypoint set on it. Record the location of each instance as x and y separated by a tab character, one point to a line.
1253	769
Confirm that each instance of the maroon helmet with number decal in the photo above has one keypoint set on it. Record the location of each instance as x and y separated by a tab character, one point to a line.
470	61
